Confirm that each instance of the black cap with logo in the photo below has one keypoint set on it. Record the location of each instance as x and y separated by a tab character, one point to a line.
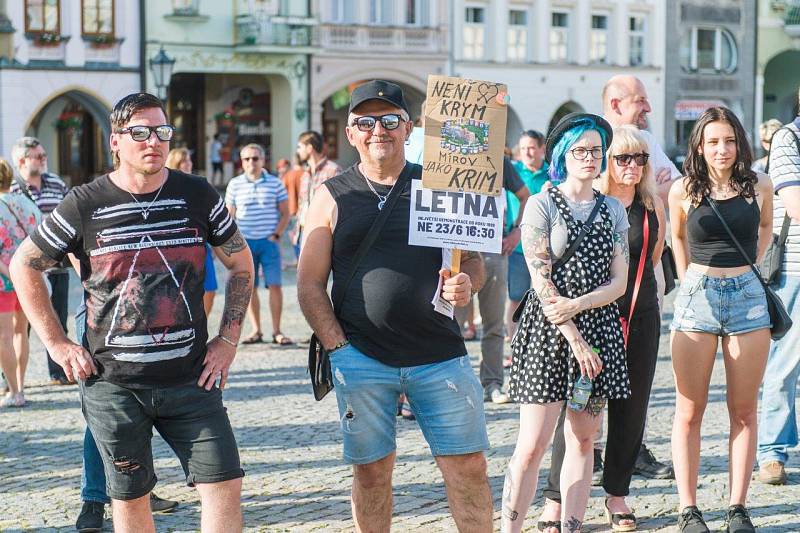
378	90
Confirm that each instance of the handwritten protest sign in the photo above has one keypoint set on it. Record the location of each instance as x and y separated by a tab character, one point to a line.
446	219
465	133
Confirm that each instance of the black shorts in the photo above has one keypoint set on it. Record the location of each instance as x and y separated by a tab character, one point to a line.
192	420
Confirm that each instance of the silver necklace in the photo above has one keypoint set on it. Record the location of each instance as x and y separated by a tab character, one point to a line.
381	198
146	210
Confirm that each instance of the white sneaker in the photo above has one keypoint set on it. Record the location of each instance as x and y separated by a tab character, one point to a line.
498	397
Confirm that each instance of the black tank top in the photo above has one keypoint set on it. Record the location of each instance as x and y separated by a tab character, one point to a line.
710	244
387	312
646	299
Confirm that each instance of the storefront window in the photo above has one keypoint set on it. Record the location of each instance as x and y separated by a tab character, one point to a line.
42	16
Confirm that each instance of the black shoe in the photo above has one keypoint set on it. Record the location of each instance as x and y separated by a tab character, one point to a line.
738	520
91	518
647	466
691	521
597	470
160	505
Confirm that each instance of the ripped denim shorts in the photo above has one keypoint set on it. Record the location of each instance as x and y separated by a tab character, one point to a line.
721	306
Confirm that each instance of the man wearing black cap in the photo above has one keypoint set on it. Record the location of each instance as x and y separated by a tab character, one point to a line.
385	338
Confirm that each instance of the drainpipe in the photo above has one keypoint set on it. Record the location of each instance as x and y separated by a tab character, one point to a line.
142	46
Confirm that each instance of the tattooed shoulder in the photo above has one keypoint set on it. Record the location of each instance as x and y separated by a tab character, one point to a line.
235	244
34	257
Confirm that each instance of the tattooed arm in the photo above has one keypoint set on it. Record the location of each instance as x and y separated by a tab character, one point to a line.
27	273
235	255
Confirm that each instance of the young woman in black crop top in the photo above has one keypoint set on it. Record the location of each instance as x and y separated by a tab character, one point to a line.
719	298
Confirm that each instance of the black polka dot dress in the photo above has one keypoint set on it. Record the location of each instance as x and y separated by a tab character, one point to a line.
543	367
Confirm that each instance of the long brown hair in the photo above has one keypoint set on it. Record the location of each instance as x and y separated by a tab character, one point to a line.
698	184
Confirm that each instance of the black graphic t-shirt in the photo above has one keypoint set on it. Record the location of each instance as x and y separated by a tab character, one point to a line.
142	268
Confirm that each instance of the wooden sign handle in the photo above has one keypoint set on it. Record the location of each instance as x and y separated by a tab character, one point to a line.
455	261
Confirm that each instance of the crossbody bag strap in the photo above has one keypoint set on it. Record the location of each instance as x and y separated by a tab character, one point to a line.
714	207
583	233
642	261
372	234
787	221
23	188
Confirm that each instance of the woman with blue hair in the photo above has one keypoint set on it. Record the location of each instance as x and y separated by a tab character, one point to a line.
569	343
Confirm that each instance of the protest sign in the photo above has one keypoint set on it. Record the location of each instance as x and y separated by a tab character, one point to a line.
446	219
465	134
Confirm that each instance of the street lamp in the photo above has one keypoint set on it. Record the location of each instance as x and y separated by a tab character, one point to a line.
161	66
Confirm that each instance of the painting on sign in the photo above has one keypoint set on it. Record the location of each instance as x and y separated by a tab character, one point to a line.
465	134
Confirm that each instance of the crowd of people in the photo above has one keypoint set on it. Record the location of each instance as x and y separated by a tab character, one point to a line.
577	291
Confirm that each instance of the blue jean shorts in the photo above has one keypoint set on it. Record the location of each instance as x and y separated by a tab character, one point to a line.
210	281
721	306
446	398
519	277
267	255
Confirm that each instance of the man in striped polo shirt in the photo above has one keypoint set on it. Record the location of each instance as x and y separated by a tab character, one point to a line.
259	203
46	190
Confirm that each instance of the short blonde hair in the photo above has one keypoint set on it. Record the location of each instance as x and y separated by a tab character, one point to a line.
176	156
767	129
6	175
628	140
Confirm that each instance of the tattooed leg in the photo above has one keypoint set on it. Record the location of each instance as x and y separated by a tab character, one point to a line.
595	406
573	525
509	487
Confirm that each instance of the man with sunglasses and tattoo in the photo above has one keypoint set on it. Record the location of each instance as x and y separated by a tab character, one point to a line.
385	339
260	204
145	360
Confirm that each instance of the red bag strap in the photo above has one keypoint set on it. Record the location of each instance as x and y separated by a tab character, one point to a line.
642	259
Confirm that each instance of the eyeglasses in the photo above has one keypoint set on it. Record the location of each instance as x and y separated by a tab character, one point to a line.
40	157
143	133
367	123
624	160
254	158
582	153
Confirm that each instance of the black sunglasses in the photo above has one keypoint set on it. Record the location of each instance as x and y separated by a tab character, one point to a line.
367	123
142	133
624	160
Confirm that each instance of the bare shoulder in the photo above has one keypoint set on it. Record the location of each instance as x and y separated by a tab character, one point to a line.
322	211
764	184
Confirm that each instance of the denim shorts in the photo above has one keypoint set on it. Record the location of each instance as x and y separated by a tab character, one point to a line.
267	255
721	306
519	277
210	281
446	398
191	419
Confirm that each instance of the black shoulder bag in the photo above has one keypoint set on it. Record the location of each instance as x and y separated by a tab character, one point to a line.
601	198
773	258
319	365
781	321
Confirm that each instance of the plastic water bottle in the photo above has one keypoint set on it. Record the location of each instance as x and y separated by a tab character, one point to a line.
581	391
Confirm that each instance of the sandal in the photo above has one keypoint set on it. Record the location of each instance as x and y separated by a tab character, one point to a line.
282	340
615	519
470	334
406	412
255	338
543	525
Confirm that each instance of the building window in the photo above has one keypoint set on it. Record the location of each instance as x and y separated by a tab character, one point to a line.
559	37
380	12
98	18
343	11
517	35
709	50
636	40
185	7
598	51
418	12
474	32
42	16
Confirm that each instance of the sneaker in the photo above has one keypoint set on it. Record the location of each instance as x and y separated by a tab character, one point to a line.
738	520
647	466
160	505
772	473
91	518
597	469
691	521
495	395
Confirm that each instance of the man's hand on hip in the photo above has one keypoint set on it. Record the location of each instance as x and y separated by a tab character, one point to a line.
219	357
74	359
456	289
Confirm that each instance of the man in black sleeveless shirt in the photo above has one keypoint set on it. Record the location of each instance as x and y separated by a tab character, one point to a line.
387	339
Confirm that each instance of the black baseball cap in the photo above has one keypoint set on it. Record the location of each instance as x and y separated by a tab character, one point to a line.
569	122
378	90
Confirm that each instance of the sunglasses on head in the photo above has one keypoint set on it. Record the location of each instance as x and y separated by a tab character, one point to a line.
367	123
624	160
142	133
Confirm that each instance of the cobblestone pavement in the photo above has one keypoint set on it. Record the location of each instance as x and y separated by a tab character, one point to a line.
291	449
